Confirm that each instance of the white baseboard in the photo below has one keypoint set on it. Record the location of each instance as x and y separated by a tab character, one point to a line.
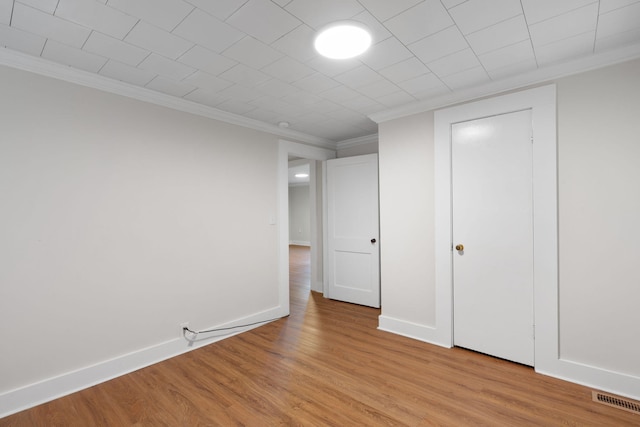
410	330
579	373
595	377
52	388
299	243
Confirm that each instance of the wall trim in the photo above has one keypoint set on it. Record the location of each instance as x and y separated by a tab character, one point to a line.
407	329
354	142
541	75
53	388
22	61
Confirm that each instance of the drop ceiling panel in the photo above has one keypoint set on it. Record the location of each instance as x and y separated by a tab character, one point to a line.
385	9
21	41
206	60
126	73
420	21
48	6
165	67
6	6
77	58
255	58
474	15
157	40
165	14
110	47
263	20
253	53
170	87
568	24
318	13
95	15
40	23
205	30
540	10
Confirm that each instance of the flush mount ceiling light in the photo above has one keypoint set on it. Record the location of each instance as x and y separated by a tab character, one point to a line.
343	40
301	175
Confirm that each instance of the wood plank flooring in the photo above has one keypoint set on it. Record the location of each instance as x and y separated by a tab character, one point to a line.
327	365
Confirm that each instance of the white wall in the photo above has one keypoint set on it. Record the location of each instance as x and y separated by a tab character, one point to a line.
599	207
120	220
299	215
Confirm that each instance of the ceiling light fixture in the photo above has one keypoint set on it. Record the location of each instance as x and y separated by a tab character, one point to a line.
343	40
301	175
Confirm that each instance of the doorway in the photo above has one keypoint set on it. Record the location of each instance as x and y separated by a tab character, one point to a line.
287	149
493	236
542	103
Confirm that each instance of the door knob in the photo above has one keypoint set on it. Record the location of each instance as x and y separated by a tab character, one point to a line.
459	247
373	240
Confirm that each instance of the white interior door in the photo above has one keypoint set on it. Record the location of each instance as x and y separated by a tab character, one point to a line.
353	257
493	221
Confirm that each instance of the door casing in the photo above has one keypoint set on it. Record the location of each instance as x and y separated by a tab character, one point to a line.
542	102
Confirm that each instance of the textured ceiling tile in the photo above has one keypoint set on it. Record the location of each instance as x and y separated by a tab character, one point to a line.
378	31
298	44
206	60
207	31
165	67
6	7
385	9
244	75
404	70
318	13
567	48
316	83
207	81
288	70
253	53
20	40
235	106
466	78
76	58
500	35
566	25
386	53
263	20
451	3
276	88
113	48
96	16
506	56
619	20
48	6
396	99
441	44
339	94
421	84
513	68
157	40
454	63
205	96
539	10
170	87
474	15
221	9
35	21
358	77
610	5
332	68
420	21
126	73
617	40
378	89
165	14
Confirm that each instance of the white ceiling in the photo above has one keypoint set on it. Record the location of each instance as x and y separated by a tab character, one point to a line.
254	58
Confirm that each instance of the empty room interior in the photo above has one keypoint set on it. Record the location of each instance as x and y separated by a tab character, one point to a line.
337	212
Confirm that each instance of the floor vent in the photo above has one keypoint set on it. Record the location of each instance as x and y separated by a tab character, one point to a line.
616	402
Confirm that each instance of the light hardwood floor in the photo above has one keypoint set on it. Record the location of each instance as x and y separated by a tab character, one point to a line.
327	364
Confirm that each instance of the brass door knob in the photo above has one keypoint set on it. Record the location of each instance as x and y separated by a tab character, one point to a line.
459	247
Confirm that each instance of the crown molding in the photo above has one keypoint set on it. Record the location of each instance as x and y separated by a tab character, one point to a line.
540	75
361	140
47	68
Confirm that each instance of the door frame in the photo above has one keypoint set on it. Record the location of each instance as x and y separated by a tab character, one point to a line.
286	148
542	102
